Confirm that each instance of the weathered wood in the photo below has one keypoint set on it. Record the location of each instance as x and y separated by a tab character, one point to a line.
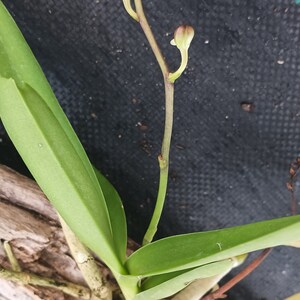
22	191
30	224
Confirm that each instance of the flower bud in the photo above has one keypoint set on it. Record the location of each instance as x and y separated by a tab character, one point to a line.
183	37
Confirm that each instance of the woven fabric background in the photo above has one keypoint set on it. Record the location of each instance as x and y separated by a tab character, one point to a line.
229	166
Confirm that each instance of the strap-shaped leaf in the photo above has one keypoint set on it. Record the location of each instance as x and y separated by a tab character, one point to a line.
165	285
18	62
55	164
116	213
196	249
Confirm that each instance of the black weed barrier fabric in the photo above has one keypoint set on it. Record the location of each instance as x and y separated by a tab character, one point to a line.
237	111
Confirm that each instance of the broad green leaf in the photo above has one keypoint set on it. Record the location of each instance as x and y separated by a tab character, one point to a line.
55	164
116	213
18	62
162	286
196	249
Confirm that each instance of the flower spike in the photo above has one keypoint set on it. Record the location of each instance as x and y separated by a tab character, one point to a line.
130	10
183	37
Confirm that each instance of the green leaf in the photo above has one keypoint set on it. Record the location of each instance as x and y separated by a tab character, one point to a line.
18	62
196	249
116	213
165	285
58	169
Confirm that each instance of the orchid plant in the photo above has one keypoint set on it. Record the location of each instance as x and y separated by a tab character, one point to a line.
90	207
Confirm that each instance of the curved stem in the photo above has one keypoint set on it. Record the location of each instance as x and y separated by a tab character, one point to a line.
163	158
150	37
184	60
130	10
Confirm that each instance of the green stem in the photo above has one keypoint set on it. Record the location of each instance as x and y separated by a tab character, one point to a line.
163	158
129	9
184	61
150	37
163	164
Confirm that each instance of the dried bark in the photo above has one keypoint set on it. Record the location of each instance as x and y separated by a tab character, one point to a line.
30	224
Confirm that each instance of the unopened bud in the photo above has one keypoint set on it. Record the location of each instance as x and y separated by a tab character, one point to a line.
183	37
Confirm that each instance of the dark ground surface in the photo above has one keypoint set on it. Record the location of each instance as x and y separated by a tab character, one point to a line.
228	166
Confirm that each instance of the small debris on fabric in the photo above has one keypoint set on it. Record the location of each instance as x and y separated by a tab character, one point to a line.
247	106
